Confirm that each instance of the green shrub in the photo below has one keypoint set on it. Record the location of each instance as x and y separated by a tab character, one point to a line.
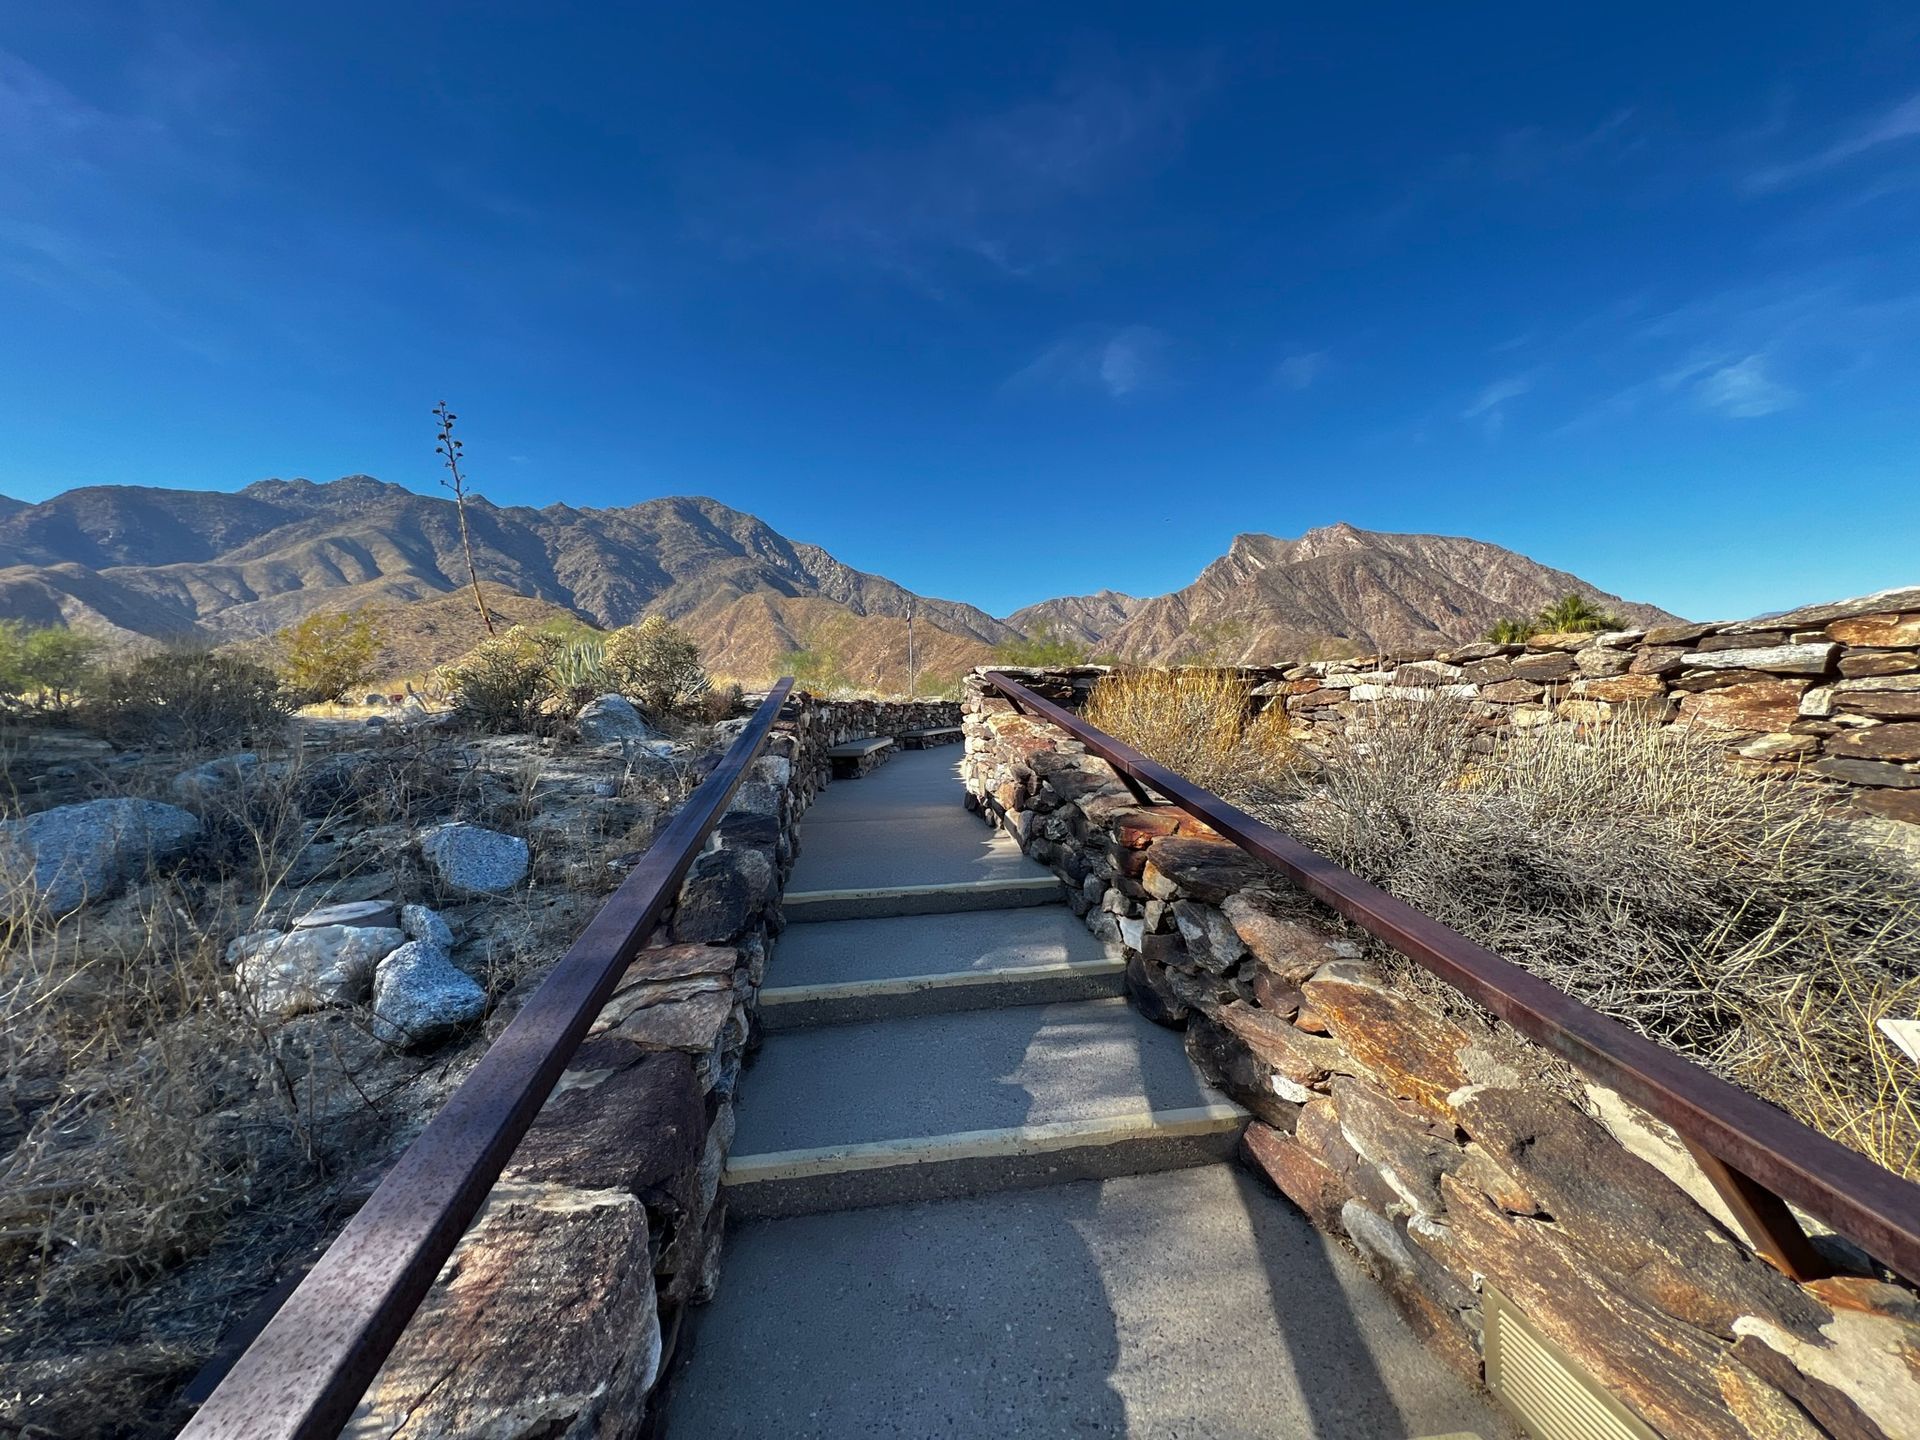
47	665
502	684
1572	614
325	656
188	697
657	666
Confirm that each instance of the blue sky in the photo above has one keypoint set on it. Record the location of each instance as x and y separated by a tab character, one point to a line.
1000	301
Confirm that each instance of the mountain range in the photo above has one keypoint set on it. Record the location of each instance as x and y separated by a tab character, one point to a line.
132	561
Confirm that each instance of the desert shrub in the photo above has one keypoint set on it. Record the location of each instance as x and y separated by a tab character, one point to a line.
721	702
47	666
1044	647
188	697
657	666
1200	722
503	683
1723	916
325	656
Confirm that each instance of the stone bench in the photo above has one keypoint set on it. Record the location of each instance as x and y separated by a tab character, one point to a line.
853	758
930	735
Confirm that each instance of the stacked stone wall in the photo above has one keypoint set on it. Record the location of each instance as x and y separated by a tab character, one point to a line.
1451	1154
557	1312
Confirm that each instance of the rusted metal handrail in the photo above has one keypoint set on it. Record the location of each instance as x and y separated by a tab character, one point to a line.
1759	1155
314	1360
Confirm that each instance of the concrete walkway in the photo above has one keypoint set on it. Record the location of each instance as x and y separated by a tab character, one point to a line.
974	1194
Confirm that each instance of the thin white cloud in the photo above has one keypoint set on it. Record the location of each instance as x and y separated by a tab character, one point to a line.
1489	407
1299	370
1005	191
1742	390
1119	362
1902	122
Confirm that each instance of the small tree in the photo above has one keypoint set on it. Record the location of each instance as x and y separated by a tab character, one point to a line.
657	665
48	664
325	656
814	667
449	450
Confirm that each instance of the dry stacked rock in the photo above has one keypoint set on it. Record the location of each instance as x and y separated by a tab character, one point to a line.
1828	692
1448	1153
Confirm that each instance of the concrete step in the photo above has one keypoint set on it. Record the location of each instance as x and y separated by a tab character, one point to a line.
903	825
1191	1304
876	901
848	970
935	1105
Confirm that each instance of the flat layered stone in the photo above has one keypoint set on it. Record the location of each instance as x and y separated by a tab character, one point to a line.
1762	706
1878	742
1869	1349
1409	1149
1809	617
1617	688
1813	659
1202	869
1659	660
1279	941
1412	1051
1307	1060
1633	1222
1430	1299
1882	773
1890	628
1553	665
1302	1177
543	1323
1879	662
621	1118
1660	1367
1660	635
1511	692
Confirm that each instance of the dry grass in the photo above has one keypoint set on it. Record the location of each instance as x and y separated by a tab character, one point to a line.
1726	917
1198	721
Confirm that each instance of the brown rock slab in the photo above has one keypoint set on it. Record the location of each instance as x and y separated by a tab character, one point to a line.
1831	1410
1431	1300
1303	1178
1890	628
1632	1221
1623	687
1150	993
1412	1051
1554	665
1760	706
1659	660
1205	870
1231	1068
1660	1367
1878	742
680	962
1890	804
1306	1060
689	1023
1511	692
1678	634
544	1322
1408	1149
621	1118
1279	941
1883	773
1882	662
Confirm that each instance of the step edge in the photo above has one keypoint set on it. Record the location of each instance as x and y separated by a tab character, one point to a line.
944	887
773	1166
777	995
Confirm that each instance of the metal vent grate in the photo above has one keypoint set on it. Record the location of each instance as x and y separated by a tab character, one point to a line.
1546	1392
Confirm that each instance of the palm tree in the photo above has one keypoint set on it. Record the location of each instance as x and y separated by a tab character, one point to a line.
1574	613
1510	631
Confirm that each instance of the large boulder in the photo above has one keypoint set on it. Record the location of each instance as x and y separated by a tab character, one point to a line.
613	717
420	996
473	860
75	853
312	969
